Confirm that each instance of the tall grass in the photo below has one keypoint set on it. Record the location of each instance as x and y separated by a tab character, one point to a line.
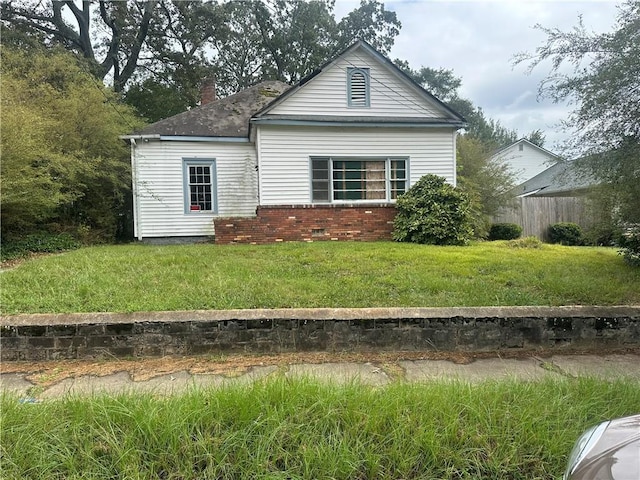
302	429
384	274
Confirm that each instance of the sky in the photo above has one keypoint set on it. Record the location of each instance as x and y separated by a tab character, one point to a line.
478	39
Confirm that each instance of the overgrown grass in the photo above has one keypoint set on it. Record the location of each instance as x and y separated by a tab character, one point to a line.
303	429
385	274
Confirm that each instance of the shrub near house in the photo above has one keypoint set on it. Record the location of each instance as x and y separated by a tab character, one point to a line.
433	212
566	233
505	231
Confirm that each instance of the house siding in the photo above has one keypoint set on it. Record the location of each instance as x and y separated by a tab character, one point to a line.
527	163
389	94
160	205
284	155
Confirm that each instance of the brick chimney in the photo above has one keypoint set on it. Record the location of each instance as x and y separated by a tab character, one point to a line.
208	90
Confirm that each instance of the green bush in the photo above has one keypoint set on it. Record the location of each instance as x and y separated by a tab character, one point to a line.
433	212
505	231
566	233
630	246
38	243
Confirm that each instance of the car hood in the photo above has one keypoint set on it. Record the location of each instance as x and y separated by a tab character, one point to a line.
616	455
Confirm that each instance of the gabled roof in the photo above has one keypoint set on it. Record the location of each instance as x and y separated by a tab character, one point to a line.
455	118
231	116
527	142
227	117
561	179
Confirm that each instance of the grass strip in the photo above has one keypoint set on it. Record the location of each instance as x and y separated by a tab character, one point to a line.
139	277
302	429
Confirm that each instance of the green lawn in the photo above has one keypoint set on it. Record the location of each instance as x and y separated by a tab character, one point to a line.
322	274
298	429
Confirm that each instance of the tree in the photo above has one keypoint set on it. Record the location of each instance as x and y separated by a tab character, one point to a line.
125	26
600	75
297	36
372	23
537	137
487	183
62	160
172	45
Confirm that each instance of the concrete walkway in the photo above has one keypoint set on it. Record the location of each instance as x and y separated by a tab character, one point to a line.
530	369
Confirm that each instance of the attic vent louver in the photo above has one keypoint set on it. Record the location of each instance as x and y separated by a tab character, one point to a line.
358	87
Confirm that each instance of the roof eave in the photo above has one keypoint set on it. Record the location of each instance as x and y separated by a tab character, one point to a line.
346	122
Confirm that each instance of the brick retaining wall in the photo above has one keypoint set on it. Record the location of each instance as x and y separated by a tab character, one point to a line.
308	223
61	336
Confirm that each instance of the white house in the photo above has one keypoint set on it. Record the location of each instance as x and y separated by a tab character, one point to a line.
525	159
323	159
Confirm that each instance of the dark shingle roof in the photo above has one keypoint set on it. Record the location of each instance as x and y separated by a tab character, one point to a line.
227	117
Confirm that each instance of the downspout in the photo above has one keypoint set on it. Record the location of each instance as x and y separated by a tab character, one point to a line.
455	158
137	219
258	166
134	191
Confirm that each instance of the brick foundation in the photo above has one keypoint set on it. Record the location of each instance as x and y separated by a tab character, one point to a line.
308	223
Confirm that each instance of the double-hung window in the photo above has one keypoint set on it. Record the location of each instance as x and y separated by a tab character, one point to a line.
347	179
199	185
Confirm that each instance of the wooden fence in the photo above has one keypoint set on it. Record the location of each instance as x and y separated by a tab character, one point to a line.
535	214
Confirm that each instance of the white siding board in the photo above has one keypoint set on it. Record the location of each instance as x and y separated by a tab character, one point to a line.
326	94
160	194
285	151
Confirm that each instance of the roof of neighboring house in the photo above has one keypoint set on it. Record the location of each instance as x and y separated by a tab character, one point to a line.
227	117
524	140
561	179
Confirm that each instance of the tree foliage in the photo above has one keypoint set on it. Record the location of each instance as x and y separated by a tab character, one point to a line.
124	26
62	160
487	183
433	212
537	137
600	75
170	46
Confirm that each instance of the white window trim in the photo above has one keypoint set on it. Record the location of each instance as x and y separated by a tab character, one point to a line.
387	179
211	163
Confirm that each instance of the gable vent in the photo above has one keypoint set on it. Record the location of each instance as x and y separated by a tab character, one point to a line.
358	86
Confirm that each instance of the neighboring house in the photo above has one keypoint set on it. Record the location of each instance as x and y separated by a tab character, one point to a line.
525	159
324	159
557	194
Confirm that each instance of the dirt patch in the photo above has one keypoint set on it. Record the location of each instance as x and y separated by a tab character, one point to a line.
48	373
